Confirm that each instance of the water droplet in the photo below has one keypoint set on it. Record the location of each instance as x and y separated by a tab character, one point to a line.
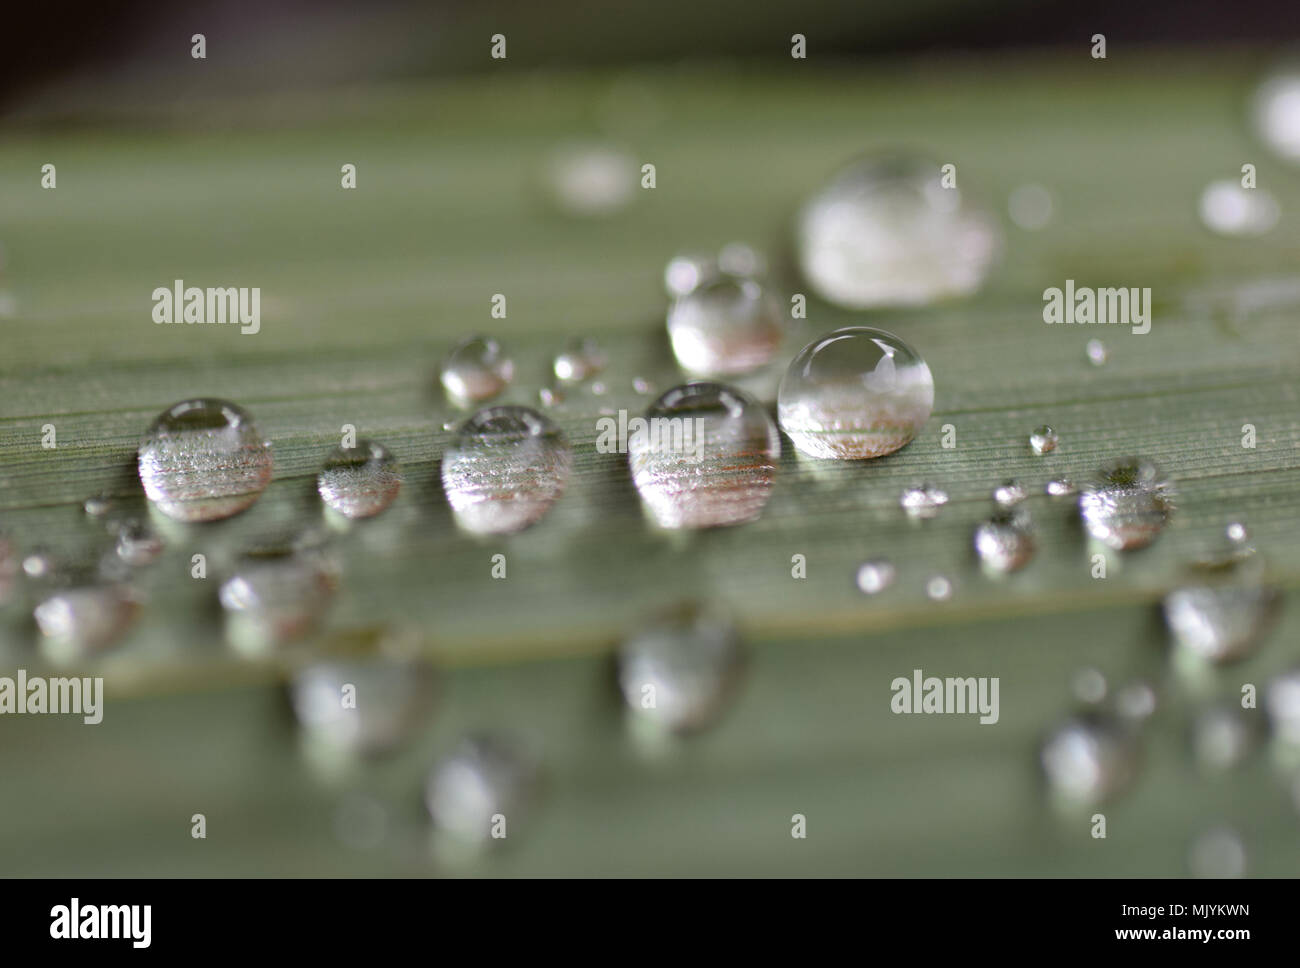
1089	686
137	543
85	618
677	671
1282	700
477	369
506	468
1030	207
548	396
1009	493
278	592
485	777
643	386
1005	542
923	501
1060	487
1228	208
204	459
364	705
1127	506
599	389
1221	737
99	506
1089	758
855	393
938	588
1276	113
1136	701
580	360
1220	623
685	272
875	576
359	481
1216	854
590	181
1236	533
886	232
705	457
38	563
726	325
1043	440
1096	352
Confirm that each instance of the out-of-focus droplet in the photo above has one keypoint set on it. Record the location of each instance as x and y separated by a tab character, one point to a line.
1089	686
488	781
360	481
278	592
875	576
1282	700
642	386
855	393
137	543
1127	505
1043	440
1009	494
506	468
366	705
1221	737
1060	487
85	619
1226	207
1220	622
726	325
704	456
1217	854
923	501
677	671
1096	352
1276	111
938	588
477	369
1005	542
581	359
1135	701
590	180
204	459
887	232
1030	207
1089	758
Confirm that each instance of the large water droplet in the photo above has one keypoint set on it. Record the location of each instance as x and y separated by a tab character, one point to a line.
1089	758
1005	542
506	468
359	481
1127	506
485	777
1230	209
727	324
886	232
677	671
855	393
86	618
1277	113
705	456
477	369
1220	623
204	459
278	592
364	705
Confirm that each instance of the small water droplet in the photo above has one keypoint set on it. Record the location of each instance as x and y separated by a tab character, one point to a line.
548	396
1005	542
875	576
99	506
923	501
477	369
1030	207
677	671
39	564
1217	853
387	701
1096	352
1136	701
855	393
1220	623
1221	737
1089	758
938	588
1043	440
705	457
278	592
1230	209
506	468
1276	112
137	543
1089	686
598	389
590	180
886	232
724	326
486	776
1236	533
643	386
204	459
1009	494
86	618
1060	487
685	272
581	359
359	481
1127	505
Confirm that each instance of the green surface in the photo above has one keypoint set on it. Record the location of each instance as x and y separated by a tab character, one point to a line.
364	290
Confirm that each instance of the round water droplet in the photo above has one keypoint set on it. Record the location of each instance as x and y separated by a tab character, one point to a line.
99	506
685	272
642	386
923	501
477	369
705	456
203	459
85	619
1136	701
581	359
39	563
855	393
1009	493
1060	487
1127	506
726	325
1043	440
365	705
485	778
506	468
875	576
1217	854
1005	542
1089	686
1222	737
137	543
676	672
278	593
1090	758
886	232
1030	207
590	181
359	481
938	588
1096	352
1230	209
1220	623
1276	113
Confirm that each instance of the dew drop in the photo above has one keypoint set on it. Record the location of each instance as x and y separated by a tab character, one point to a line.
86	618
581	359
677	672
388	701
1089	686
1221	738
1227	208
204	459
1043	440
1136	701
1220	623
1060	487
705	457
505	469
137	543
855	393
477	369
1127	506
642	386
875	576
278	593
1096	352
685	272
938	588
886	232
486	776
1089	758
923	501
726	325
1005	542
359	481
1009	494
99	506
1030	207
